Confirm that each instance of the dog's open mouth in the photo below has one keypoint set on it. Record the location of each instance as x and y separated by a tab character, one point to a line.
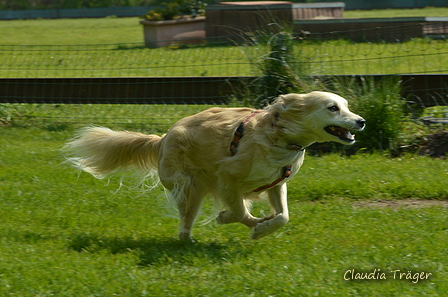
342	133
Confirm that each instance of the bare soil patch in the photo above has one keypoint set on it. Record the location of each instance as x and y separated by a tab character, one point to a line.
403	203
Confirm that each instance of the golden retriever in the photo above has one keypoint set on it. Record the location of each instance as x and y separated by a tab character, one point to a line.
232	154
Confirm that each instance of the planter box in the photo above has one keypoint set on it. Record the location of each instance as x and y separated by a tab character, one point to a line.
165	33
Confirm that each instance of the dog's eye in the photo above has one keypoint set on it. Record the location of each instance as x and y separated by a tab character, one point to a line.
333	108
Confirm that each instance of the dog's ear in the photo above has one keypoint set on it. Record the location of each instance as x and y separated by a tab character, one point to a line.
286	107
286	101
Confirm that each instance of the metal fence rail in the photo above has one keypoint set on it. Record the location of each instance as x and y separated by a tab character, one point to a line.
423	90
117	90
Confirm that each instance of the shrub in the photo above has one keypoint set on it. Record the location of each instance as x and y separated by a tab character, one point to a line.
175	9
282	70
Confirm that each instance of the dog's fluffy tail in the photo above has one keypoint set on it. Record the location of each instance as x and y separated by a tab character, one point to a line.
103	152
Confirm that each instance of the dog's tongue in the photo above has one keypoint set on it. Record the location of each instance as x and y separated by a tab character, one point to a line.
350	136
340	132
344	133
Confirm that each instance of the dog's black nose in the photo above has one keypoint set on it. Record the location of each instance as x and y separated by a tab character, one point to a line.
361	123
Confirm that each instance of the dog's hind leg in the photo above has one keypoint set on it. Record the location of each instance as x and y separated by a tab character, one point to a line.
188	211
278	200
188	196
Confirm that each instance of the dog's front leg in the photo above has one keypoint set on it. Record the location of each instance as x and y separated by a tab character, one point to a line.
237	211
278	200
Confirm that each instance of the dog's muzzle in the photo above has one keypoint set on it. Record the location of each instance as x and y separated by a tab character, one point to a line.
345	134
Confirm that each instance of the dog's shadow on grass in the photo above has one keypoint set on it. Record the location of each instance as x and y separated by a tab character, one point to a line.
151	251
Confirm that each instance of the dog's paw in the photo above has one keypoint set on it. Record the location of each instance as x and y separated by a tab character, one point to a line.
185	236
268	227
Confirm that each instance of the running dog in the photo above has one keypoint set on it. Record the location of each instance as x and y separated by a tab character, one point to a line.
232	154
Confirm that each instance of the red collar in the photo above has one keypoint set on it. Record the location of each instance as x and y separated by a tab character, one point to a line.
287	170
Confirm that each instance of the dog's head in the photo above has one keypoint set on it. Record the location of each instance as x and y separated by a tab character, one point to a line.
321	116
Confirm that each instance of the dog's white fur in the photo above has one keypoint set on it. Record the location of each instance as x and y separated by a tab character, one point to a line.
193	159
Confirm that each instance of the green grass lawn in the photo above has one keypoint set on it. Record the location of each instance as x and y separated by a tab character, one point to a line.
393	13
65	234
71	31
320	58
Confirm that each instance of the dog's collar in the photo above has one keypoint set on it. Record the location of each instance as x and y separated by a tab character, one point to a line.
287	170
295	147
240	131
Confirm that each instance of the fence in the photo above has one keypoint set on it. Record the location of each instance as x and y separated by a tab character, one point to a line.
322	57
423	90
205	74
